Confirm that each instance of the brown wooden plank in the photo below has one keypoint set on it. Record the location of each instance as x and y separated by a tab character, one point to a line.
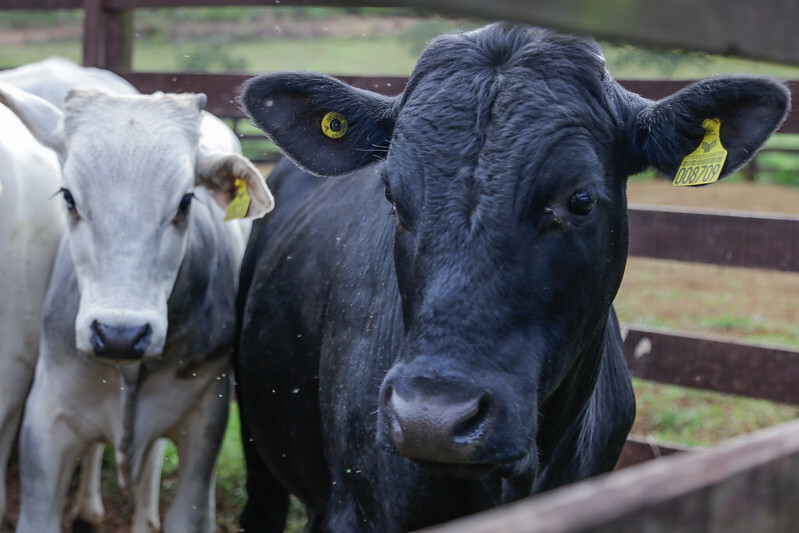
641	449
704	362
391	85
744	485
222	89
117	39
93	33
739	239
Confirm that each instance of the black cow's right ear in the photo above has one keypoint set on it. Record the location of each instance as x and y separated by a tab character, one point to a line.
324	125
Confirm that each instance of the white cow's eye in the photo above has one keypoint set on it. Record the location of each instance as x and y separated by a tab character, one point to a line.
185	204
68	199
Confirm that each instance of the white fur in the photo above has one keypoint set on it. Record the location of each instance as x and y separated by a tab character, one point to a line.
31	223
116	151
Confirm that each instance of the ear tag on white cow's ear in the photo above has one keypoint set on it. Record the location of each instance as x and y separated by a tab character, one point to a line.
334	125
238	207
703	165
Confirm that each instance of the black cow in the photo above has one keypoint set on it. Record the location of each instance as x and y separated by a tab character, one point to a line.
432	334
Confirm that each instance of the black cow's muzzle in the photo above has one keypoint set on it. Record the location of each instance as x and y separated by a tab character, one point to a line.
436	428
447	426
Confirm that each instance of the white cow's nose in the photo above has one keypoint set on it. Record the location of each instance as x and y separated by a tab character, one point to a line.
120	343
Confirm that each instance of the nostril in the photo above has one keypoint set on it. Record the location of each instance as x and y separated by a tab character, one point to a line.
98	336
142	339
393	425
120	342
473	423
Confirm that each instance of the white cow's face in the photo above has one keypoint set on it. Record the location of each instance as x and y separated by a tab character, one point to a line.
130	165
128	181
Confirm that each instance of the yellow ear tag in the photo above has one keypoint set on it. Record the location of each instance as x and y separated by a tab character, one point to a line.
704	164
238	207
334	125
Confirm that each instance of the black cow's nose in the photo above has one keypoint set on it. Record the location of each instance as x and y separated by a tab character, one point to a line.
438	427
120	343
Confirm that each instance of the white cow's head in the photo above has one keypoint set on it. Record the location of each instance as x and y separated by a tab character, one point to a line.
130	165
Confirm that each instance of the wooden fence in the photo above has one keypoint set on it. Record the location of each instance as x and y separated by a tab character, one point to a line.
749	484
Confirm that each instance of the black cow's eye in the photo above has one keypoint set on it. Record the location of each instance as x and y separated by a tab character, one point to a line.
389	196
185	203
582	202
69	200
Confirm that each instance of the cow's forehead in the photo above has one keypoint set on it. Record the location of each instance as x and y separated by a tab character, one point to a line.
502	107
144	140
467	85
124	119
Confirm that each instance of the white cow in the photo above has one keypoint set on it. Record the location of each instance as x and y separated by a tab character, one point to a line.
50	79
139	318
31	224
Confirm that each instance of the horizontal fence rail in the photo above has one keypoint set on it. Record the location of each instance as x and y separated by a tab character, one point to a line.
219	86
721	365
719	238
745	485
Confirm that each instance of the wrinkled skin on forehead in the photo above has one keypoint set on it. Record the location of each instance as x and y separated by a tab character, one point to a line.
443	318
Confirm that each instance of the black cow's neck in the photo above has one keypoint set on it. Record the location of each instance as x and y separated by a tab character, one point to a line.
562	414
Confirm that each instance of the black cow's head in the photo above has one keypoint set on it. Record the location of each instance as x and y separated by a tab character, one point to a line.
506	160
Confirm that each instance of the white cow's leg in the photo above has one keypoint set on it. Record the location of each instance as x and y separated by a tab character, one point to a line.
88	507
49	449
15	379
8	430
198	441
145	517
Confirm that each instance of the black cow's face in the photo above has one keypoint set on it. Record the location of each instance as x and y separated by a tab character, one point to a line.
505	160
510	245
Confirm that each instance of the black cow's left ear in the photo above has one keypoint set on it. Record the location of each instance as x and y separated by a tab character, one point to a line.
750	110
321	123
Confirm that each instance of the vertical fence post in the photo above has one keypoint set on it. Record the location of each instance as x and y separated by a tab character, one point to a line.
91	33
107	36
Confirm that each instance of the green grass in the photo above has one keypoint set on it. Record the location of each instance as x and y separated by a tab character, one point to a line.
12	56
701	418
369	55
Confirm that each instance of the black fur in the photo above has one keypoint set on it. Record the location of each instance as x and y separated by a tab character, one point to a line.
484	286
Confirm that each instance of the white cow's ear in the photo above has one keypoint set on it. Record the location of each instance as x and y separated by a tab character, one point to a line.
219	173
42	118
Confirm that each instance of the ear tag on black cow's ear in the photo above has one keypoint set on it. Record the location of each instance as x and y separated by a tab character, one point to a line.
334	125
240	204
703	165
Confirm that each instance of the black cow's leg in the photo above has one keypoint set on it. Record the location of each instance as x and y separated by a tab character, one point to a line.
267	500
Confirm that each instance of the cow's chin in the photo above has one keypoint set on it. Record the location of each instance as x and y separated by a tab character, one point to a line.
468	472
123	361
474	471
